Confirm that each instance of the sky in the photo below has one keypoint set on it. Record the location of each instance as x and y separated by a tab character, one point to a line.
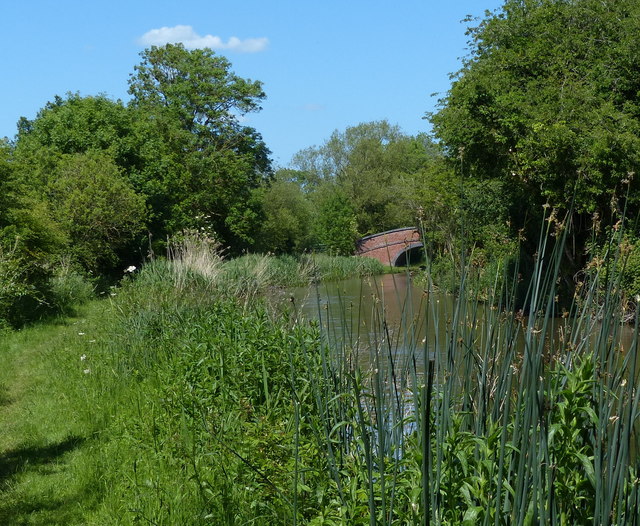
324	65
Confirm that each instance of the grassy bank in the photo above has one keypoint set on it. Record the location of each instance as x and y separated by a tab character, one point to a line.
185	399
48	473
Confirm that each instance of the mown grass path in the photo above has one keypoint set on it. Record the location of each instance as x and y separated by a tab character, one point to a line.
45	478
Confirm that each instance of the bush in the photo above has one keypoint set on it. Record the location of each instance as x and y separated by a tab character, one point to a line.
69	288
22	287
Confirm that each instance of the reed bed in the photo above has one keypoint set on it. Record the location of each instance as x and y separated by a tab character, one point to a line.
199	403
515	419
260	271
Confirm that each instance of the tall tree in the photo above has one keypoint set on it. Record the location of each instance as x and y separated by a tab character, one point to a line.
548	102
202	165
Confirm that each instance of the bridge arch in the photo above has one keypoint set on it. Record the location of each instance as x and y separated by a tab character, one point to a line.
395	248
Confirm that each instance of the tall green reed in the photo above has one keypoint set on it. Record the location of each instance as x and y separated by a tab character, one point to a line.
516	417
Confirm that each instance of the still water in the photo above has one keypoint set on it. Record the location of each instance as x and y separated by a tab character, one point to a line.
393	316
390	314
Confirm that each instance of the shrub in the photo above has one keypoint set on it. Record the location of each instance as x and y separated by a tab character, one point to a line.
69	288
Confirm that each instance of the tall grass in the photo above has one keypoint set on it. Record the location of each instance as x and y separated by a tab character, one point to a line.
261	271
200	404
515	419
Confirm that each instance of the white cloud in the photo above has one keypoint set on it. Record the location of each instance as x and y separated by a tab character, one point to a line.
192	40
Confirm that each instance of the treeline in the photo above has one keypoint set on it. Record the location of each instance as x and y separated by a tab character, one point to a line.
92	186
547	106
542	120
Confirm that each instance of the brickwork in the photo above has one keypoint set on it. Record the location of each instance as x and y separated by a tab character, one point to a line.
386	247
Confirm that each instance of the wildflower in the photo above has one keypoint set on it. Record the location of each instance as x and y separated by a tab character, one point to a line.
83	357
81	334
86	371
130	269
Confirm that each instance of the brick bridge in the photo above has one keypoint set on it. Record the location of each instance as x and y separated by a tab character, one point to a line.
395	248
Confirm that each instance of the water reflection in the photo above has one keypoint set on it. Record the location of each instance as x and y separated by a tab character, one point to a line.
394	317
381	315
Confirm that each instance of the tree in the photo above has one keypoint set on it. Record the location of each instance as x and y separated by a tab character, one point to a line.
74	125
548	103
335	224
80	156
100	211
287	215
201	164
374	165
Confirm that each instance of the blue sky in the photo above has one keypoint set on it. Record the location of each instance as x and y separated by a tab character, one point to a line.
325	65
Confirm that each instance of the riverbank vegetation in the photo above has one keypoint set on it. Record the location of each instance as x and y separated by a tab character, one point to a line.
195	402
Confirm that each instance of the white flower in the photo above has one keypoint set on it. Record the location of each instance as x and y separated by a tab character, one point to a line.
83	357
86	371
81	334
130	269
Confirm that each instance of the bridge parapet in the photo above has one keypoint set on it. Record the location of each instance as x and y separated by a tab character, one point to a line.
393	247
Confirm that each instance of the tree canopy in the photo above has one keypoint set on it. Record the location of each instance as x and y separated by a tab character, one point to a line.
201	164
548	101
374	164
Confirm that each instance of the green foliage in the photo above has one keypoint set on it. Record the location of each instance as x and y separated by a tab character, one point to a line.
99	210
287	217
374	165
14	285
573	424
336	224
200	165
547	102
75	125
466	224
618	260
69	289
30	241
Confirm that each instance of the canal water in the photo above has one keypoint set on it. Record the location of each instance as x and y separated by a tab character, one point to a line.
394	316
390	314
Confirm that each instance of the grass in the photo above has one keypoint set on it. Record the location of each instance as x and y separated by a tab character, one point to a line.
185	399
46	458
260	271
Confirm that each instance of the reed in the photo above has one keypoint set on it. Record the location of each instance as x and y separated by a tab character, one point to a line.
260	271
513	418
